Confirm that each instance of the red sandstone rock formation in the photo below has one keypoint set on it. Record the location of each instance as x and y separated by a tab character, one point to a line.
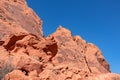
16	17
26	55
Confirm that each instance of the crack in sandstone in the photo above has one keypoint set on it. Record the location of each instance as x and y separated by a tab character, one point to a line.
87	64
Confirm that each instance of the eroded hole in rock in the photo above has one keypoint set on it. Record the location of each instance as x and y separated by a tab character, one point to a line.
51	50
2	42
40	59
82	51
15	0
25	71
11	44
26	52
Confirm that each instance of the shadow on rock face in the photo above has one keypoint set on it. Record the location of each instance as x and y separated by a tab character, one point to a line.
11	43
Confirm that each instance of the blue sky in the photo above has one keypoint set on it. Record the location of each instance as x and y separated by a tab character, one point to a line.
96	21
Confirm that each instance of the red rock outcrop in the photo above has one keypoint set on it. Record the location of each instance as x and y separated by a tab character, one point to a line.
16	17
26	55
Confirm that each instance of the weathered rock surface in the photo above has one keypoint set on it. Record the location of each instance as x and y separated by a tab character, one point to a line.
26	55
16	17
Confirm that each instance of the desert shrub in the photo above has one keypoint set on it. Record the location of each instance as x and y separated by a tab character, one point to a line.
5	68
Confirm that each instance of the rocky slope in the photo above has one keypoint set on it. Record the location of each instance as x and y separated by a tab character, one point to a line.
26	55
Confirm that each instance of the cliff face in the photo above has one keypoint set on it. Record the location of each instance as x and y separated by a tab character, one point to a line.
26	55
16	17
